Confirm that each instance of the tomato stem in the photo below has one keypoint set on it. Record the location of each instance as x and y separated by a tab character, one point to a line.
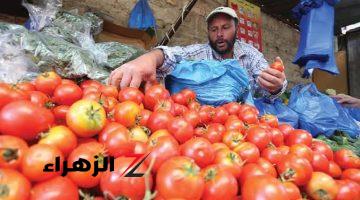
4	191
10	154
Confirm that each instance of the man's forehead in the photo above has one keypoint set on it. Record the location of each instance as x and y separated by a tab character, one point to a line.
222	16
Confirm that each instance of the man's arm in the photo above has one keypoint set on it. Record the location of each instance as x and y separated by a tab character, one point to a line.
140	69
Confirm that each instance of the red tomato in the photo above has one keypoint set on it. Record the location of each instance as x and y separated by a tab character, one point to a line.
17	119
60	112
205	113
348	190
334	169
269	119
248	117
117	141
284	150
250	171
61	137
346	159
9	94
272	154
68	81
36	158
67	94
86	118
12	150
144	117
233	108
26	86
219	146
179	110
159	120
176	176
277	137
166	105
109	91
56	188
230	161
302	151
131	94
90	83
245	107
40	99
115	183
180	129
295	169
320	163
126	113
154	94
220	115
47	82
90	89
267	167
214	132
14	185
87	151
179	99
162	149
235	124
321	186
322	148
263	187
298	136
293	192
200	150
232	138
194	105
188	94
278	66
351	174
285	129
248	152
159	133
219	184
192	117
258	136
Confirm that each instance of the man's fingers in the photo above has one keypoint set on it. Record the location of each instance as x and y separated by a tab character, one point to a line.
266	84
270	78
125	81
115	77
136	81
274	72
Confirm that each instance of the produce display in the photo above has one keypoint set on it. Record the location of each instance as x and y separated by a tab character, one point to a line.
61	139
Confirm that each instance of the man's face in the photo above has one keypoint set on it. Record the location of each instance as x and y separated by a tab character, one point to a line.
222	33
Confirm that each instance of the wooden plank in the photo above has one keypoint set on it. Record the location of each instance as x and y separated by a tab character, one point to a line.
353	50
324	80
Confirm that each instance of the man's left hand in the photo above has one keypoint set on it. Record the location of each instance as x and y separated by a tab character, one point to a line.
272	80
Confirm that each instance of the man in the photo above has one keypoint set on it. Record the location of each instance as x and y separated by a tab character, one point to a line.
222	30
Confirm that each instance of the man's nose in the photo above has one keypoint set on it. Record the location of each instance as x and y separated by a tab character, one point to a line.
220	33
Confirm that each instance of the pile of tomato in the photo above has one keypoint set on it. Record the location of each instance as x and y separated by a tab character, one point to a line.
193	151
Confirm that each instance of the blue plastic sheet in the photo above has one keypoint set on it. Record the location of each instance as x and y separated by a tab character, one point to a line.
276	107
215	82
141	16
354	112
319	113
316	48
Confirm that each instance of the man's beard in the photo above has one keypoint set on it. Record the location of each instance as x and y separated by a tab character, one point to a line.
229	45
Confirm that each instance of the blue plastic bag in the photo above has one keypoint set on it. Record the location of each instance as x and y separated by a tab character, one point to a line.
215	82
316	48
141	16
319	113
354	112
283	113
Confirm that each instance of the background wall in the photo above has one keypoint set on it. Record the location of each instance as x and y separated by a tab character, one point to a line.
279	39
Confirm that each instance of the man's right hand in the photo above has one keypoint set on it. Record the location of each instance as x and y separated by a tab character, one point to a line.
136	71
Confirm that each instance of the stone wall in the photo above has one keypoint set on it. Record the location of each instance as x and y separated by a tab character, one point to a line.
279	39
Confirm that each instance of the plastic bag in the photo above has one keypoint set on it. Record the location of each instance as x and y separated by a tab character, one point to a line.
14	65
67	59
141	16
41	12
282	112
319	113
316	48
354	112
118	54
215	82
